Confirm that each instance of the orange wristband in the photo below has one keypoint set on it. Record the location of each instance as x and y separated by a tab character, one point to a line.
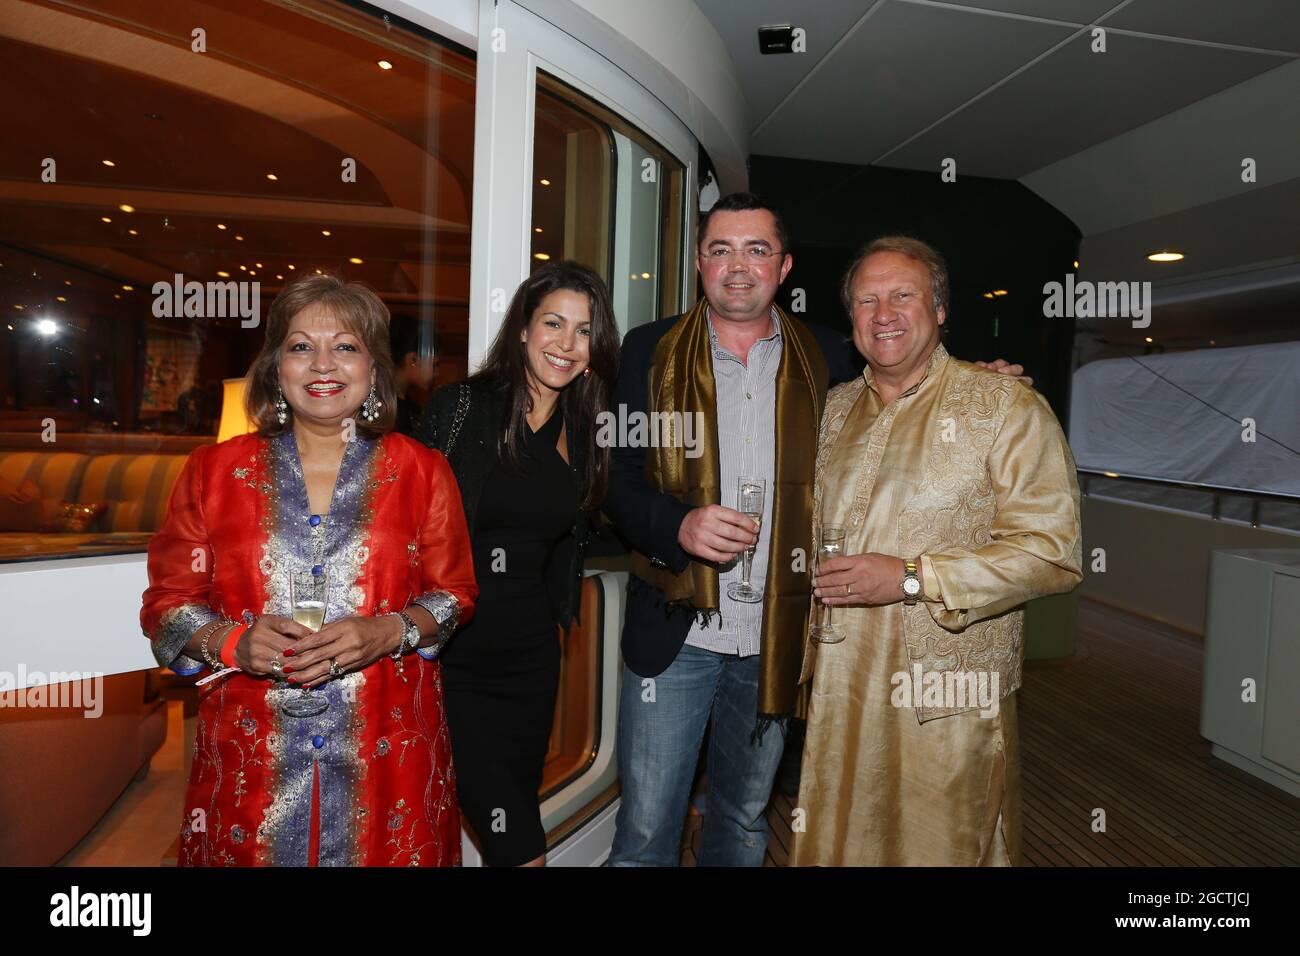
228	645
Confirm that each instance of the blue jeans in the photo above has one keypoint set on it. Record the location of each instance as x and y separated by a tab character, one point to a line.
659	745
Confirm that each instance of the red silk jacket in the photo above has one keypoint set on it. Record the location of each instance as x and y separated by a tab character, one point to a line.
369	782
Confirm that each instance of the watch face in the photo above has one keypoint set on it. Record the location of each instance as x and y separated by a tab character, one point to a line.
911	587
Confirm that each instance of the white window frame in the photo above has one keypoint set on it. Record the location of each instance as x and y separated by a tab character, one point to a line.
506	98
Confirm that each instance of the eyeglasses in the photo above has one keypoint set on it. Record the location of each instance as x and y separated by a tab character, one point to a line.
749	253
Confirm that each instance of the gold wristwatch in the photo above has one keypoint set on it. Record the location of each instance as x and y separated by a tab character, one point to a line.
911	584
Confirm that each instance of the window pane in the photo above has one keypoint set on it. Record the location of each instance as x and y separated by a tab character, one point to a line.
306	137
608	196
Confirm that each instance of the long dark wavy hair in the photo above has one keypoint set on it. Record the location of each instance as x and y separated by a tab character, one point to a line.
586	397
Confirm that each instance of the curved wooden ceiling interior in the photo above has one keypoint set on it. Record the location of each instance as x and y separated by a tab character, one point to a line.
286	89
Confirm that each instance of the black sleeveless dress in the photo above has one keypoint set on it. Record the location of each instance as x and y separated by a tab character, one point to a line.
501	673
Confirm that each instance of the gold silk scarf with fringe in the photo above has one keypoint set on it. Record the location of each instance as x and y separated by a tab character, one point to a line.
681	381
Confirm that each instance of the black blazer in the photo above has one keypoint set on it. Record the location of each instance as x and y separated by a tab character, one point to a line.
463	421
653	634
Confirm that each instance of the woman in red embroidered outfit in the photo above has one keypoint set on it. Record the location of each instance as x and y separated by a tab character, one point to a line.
322	486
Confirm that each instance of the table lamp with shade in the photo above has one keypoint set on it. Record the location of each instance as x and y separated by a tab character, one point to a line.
234	420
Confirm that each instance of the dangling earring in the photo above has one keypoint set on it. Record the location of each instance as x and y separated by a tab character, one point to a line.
281	406
586	372
371	406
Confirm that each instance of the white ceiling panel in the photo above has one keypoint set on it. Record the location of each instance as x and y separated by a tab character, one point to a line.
1074	11
1193	155
767	78
1076	98
906	66
1266	24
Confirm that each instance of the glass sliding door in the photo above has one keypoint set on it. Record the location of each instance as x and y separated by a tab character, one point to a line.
575	160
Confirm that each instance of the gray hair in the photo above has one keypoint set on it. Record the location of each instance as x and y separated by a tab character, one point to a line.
914	249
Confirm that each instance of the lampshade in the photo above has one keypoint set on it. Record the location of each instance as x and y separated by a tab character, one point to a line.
234	421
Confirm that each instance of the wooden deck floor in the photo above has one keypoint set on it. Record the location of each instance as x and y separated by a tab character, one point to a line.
1116	727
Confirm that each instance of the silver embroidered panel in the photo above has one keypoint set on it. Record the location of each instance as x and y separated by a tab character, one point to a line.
175	629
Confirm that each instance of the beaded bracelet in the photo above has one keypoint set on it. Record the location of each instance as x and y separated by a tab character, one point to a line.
408	625
207	631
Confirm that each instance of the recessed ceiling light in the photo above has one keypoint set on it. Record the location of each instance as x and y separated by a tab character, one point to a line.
537	228
221	225
544	182
278	276
318	272
1150	340
243	268
239	238
645	275
1211	341
324	232
272	176
61	298
291	265
108	162
105	219
988	295
128	288
117	295
1076	263
224	275
18	307
252	272
355	261
385	65
133	232
999	291
541	255
257	264
1165	256
67	282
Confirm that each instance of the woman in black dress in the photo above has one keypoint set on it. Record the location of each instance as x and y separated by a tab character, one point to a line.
520	437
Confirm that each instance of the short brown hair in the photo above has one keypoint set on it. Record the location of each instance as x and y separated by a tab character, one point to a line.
746	202
914	249
360	311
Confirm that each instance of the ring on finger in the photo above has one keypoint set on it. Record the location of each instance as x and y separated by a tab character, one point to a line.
277	668
848	589
335	669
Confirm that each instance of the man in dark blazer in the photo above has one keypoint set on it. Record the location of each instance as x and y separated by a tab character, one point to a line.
697	661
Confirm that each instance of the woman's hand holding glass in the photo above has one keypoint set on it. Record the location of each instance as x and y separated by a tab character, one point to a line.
352	643
264	642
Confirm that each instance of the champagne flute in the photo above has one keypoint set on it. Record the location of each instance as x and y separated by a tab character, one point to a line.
831	545
749	502
308	598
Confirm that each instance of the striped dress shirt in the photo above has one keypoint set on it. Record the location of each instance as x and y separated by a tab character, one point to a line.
746	394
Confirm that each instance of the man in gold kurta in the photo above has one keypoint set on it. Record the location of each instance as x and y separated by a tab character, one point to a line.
957	494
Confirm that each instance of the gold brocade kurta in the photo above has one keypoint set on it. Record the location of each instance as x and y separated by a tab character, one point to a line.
968	471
